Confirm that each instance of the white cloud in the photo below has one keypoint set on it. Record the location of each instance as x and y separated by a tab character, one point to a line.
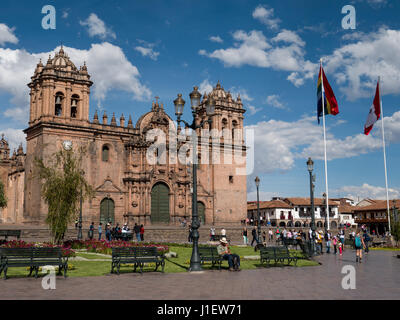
279	143
205	87
266	16
289	37
253	110
367	191
357	65
274	101
147	52
97	27
252	48
103	60
216	39
7	35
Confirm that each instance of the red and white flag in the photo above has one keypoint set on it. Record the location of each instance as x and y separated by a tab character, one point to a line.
374	112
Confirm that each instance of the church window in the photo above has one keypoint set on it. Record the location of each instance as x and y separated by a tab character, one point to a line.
230	179
234	126
58	104
74	106
224	123
105	153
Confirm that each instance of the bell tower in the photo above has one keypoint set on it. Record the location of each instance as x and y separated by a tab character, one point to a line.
59	91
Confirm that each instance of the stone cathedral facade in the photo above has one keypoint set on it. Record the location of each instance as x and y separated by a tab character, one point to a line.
128	188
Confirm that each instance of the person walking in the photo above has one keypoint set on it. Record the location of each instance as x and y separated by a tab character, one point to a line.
254	234
270	233
244	234
328	241
212	234
136	229
358	244
334	242
108	232
366	238
91	231
264	235
341	238
141	232
100	230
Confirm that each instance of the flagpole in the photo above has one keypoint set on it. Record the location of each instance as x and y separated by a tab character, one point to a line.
326	165
384	156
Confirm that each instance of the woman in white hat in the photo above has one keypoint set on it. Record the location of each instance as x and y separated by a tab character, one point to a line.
233	259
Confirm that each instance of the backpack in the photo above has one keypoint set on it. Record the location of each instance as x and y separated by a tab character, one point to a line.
358	242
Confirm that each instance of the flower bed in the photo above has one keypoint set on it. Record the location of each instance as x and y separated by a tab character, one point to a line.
105	247
66	250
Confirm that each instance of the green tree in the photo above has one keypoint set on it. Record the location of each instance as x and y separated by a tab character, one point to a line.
63	182
3	198
395	225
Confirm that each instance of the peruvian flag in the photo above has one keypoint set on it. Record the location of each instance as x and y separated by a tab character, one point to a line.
374	112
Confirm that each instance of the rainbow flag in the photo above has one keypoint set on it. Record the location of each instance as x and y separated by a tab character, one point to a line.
330	103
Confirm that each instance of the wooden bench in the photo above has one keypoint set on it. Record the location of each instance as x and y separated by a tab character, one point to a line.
137	256
276	254
32	258
210	254
10	233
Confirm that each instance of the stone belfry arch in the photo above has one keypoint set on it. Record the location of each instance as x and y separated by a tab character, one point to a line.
59	91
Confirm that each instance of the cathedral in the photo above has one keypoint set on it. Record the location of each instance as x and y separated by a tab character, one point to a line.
128	188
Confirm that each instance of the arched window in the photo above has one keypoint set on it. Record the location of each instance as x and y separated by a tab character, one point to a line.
58	104
234	126
105	153
74	105
224	124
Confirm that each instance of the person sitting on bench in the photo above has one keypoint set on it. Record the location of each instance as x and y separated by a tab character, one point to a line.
233	259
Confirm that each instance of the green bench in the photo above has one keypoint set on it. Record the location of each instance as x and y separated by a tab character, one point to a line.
32	258
10	233
276	254
137	256
210	254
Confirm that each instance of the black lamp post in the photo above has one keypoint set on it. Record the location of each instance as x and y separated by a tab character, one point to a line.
179	103
310	167
257	181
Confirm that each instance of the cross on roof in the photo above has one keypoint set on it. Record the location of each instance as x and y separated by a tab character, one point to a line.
157	98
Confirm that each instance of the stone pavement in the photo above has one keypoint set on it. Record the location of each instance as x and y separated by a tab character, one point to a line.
378	277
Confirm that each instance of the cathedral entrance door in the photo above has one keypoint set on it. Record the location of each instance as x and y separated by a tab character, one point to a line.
107	211
160	203
201	212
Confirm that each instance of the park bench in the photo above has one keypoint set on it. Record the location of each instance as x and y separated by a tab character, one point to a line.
137	256
32	258
276	254
291	242
210	254
10	233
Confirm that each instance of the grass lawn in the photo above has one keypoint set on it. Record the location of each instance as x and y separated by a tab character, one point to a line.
172	265
385	249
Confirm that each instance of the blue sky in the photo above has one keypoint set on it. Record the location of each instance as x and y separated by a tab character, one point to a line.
268	51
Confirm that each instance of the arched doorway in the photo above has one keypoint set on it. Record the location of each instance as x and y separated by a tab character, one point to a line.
201	211
160	203
297	224
333	224
107	211
282	224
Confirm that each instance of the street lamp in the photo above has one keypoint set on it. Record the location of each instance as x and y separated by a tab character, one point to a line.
257	181
310	167
179	103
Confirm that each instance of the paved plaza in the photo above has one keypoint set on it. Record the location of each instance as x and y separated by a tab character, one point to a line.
378	277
